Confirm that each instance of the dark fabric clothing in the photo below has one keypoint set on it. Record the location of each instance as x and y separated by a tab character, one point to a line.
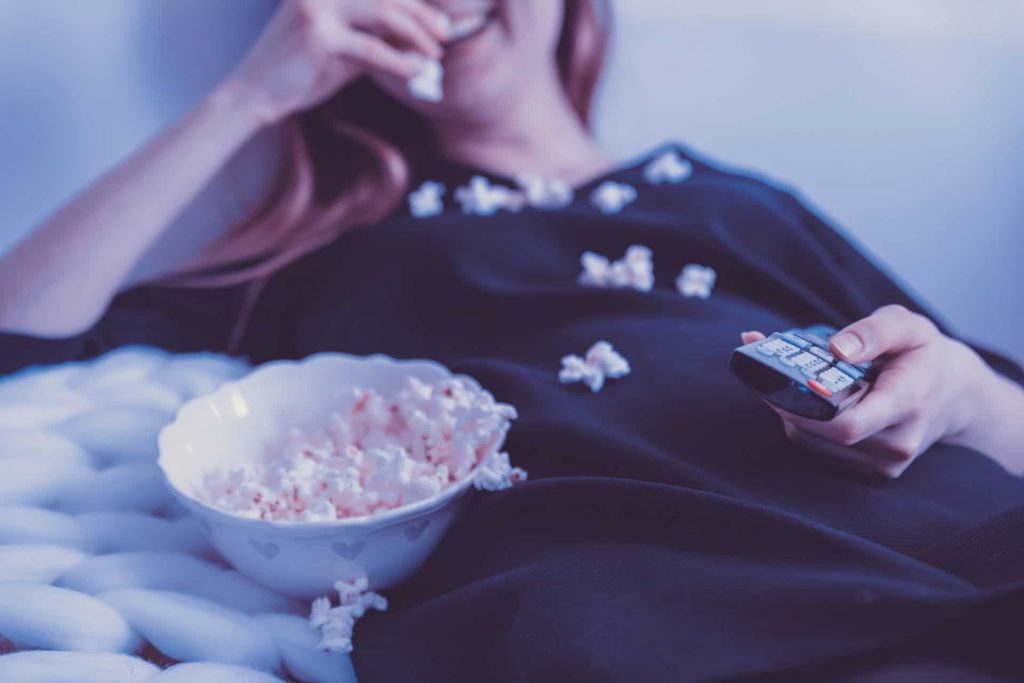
669	530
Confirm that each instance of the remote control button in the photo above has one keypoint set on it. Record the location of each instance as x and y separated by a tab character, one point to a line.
820	388
776	346
795	340
814	339
851	370
822	354
809	364
835	379
787	361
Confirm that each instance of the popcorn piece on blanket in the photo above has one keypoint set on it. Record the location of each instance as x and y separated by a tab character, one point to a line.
545	194
668	168
336	624
696	281
634	270
426	201
483	199
611	197
427	84
601	362
378	453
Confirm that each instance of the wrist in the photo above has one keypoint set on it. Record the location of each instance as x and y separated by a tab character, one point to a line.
994	424
247	107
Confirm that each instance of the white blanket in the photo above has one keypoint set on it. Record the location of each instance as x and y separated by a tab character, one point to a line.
98	563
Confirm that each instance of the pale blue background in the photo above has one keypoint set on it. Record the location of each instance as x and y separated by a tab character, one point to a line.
902	119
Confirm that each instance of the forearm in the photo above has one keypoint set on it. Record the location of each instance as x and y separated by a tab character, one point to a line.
997	425
60	279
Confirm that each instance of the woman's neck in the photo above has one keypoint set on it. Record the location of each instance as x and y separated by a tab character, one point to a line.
541	135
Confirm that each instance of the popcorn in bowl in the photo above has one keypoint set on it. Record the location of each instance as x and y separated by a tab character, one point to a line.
335	467
378	452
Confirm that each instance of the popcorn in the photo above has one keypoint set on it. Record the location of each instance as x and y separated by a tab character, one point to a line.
668	168
611	197
376	454
545	194
635	270
601	362
426	201
495	473
696	281
483	199
426	85
336	624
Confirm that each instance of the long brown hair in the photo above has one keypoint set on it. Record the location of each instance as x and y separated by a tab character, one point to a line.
348	163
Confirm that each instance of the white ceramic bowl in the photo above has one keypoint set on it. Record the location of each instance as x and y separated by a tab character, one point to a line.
302	559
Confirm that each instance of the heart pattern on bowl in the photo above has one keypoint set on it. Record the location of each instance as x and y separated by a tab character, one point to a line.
268	550
414	531
349	551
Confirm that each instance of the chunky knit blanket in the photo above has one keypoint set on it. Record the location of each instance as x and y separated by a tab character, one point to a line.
103	576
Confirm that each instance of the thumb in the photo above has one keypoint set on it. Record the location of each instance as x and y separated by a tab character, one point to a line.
890	329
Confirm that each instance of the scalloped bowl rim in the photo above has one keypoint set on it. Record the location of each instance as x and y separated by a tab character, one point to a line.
277	527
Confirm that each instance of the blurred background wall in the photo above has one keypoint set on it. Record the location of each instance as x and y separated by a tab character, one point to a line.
901	120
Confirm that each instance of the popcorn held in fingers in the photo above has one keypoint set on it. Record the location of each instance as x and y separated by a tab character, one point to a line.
426	85
611	197
635	270
601	362
336	624
545	194
378	452
482	198
427	200
668	168
696	281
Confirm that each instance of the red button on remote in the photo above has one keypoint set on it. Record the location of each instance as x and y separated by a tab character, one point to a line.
819	387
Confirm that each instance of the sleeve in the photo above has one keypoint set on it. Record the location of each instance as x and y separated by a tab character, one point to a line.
872	287
173	318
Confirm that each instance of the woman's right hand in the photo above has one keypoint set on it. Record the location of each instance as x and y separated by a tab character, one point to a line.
313	48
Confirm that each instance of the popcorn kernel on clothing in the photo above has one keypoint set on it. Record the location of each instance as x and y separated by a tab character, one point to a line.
611	197
696	281
635	270
427	200
601	362
667	168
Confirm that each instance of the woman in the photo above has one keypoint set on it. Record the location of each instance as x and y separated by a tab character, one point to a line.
671	530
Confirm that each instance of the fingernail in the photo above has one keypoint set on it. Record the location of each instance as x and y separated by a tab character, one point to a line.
444	23
848	344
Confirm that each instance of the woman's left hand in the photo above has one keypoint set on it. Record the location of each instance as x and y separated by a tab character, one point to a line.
930	388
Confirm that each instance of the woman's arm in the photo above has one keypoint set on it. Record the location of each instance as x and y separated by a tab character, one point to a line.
61	278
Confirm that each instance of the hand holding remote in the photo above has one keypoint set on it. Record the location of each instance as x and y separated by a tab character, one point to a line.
929	388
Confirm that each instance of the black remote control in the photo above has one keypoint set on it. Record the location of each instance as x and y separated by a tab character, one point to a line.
795	371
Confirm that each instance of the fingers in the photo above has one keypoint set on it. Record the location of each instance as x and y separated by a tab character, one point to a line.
890	329
881	408
750	337
433	19
374	53
402	27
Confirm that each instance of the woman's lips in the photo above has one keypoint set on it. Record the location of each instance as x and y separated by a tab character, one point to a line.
467	26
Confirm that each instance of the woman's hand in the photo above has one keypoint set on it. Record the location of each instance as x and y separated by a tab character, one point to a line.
312	48
929	388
